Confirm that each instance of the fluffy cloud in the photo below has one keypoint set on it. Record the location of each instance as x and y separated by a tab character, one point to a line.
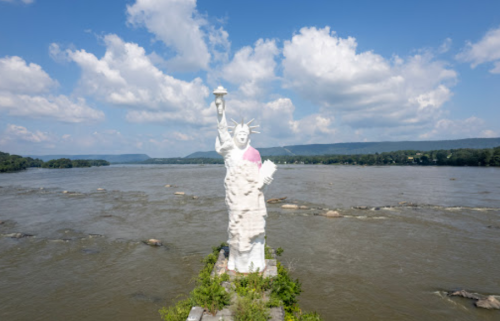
15	132
485	50
462	128
126	77
19	1
20	77
278	125
251	68
25	91
178	24
365	89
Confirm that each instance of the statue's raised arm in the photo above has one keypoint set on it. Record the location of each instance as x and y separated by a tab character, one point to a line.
224	140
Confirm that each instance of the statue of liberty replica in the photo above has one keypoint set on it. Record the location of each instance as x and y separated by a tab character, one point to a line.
245	181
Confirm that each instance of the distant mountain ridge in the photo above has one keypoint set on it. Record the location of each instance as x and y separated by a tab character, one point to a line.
122	158
366	148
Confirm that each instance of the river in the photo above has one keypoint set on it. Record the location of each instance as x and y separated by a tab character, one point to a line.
86	259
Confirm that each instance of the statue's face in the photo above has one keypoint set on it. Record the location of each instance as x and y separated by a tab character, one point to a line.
219	104
241	137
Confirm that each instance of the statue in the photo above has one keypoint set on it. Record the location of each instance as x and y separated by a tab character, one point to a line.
246	178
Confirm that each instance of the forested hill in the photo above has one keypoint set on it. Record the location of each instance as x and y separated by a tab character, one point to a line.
123	158
366	148
12	163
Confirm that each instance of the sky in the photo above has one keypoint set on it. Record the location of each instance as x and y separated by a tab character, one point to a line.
117	77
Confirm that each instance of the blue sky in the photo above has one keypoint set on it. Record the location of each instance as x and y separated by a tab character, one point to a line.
86	76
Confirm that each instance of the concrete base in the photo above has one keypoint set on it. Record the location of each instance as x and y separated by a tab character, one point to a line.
221	266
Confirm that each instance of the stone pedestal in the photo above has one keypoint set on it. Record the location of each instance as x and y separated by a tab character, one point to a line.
221	266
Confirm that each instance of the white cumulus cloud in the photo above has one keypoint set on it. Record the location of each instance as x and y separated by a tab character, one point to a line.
485	50
25	90
17	76
460	128
363	88
19	1
251	68
16	132
180	27
126	77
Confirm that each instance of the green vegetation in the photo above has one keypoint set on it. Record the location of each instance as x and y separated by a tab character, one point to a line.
183	161
68	163
451	157
11	163
366	147
254	294
208	292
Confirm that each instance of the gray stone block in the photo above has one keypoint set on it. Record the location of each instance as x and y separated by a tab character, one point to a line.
277	314
224	314
195	314
271	269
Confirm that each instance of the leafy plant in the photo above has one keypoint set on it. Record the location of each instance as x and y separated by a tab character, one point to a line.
208	293
248	309
178	312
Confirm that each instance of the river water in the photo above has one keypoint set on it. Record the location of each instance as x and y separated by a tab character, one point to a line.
86	260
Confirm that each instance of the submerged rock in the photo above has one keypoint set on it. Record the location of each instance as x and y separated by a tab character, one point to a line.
18	235
90	251
153	242
360	207
290	206
168	185
332	214
276	200
485	302
195	197
489	303
466	294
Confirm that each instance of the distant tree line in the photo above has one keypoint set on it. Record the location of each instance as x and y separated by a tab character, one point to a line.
179	160
11	163
68	163
452	157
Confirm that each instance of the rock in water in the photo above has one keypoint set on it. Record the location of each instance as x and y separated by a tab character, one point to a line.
65	192
179	193
195	197
466	294
168	185
489	303
290	206
153	242
332	214
101	189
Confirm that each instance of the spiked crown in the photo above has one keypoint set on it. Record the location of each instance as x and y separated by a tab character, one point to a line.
237	126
